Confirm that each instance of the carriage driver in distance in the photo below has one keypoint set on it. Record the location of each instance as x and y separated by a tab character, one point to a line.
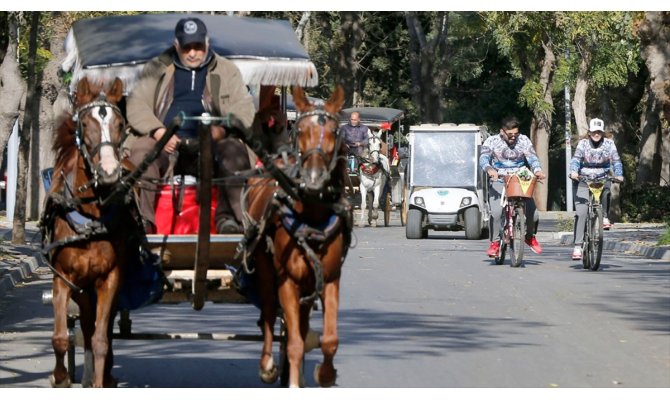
504	154
190	77
356	135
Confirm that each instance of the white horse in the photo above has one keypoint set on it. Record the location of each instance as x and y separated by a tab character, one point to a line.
372	175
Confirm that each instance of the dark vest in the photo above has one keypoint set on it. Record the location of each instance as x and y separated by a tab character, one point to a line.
189	86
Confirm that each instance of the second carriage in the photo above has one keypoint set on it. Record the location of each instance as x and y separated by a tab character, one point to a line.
385	123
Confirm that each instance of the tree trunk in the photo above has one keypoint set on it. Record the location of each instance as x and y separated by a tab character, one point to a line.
541	123
42	140
31	113
649	161
300	30
428	66
349	65
654	33
579	101
12	87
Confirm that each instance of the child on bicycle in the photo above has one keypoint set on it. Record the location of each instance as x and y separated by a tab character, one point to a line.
504	154
593	159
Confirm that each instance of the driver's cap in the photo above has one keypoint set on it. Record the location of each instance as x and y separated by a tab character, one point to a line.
596	125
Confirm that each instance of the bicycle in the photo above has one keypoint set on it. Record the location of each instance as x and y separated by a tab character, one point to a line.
516	190
592	248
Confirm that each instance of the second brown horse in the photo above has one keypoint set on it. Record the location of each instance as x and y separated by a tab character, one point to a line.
301	234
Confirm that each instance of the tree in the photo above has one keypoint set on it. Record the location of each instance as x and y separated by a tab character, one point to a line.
428	62
528	40
12	85
30	120
654	161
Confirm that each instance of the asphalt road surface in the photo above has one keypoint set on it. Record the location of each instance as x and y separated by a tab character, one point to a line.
431	313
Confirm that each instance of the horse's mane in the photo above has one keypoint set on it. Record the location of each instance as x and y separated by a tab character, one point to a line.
64	145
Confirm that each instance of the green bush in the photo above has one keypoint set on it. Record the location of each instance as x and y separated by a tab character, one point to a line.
648	203
565	224
664	240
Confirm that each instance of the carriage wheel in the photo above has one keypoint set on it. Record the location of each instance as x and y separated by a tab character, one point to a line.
387	209
403	207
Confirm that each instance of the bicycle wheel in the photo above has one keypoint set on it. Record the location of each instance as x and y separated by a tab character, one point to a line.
516	242
595	250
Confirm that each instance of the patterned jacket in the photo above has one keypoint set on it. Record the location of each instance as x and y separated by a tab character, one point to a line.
496	153
596	162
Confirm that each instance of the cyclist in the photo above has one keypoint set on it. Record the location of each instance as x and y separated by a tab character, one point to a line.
504	154
593	158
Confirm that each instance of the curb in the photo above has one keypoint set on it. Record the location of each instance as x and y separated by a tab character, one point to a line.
653	252
12	275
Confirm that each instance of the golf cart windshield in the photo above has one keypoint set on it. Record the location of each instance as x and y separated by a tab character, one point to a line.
444	159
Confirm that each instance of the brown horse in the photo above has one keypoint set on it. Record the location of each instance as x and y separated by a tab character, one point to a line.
297	236
86	234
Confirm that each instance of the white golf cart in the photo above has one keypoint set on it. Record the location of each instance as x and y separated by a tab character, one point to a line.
445	189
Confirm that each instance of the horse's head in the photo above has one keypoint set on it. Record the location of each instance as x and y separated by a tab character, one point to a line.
100	128
317	139
374	147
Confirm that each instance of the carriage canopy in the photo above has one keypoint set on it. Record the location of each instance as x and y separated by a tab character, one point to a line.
267	52
373	117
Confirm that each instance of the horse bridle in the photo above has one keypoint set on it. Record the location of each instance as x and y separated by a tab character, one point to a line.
323	117
102	103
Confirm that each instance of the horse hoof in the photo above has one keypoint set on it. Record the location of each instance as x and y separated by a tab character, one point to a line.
65	384
110	382
327	383
269	377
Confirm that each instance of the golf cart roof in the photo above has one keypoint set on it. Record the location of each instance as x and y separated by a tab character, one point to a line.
447	127
266	51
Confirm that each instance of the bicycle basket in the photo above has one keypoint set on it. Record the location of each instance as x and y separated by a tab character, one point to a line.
515	187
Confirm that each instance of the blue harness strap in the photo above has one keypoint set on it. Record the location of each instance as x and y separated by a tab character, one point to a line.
319	233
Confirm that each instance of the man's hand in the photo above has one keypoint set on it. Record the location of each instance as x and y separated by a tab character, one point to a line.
574	175
493	174
618	179
540	175
171	145
218	132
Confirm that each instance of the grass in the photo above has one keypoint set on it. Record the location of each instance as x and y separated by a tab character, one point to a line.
664	240
565	224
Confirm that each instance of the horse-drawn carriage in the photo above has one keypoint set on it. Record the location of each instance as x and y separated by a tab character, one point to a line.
195	264
379	171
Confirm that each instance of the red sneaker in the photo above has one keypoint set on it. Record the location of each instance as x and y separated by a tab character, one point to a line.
493	249
606	224
534	245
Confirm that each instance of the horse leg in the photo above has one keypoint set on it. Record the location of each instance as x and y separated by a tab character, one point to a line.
87	322
289	294
101	342
364	202
325	374
268	370
372	217
60	339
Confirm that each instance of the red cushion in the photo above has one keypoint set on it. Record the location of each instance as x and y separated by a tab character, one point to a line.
187	221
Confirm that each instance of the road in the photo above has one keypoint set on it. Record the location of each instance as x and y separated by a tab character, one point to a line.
432	313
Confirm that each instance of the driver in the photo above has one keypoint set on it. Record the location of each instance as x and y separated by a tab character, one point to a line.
189	77
356	135
504	154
